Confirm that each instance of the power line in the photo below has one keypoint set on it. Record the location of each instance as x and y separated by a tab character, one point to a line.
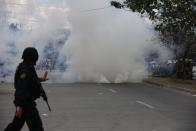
96	9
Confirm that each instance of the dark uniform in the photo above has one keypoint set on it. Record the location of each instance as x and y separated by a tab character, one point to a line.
27	85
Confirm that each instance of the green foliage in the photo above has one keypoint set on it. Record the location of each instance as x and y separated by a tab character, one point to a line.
175	20
172	18
116	4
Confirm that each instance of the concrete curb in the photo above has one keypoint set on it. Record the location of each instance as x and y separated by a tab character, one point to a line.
188	90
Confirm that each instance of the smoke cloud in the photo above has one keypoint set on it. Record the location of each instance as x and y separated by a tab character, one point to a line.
30	23
104	46
107	45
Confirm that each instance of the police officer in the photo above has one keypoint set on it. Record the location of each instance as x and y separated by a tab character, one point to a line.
27	85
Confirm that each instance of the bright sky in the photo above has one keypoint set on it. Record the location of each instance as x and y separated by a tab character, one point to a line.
30	12
52	2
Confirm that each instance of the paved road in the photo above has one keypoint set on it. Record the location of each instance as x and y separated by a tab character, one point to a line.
110	107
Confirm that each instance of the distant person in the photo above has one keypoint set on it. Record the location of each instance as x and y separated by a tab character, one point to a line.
27	85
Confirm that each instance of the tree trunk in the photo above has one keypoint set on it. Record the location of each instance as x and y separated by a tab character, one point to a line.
186	65
183	68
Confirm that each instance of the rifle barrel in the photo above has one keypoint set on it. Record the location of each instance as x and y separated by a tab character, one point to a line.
48	106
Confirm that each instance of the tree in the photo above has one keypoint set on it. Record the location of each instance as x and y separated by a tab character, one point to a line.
175	20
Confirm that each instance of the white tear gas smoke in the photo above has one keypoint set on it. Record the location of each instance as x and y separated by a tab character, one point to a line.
107	46
30	23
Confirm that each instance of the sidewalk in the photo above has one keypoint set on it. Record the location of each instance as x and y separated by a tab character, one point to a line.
183	85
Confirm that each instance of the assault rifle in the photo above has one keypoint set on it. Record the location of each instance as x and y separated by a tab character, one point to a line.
45	98
43	93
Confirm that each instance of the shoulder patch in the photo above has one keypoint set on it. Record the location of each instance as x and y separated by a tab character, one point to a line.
23	76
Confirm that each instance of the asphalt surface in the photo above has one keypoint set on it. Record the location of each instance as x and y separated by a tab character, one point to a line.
110	107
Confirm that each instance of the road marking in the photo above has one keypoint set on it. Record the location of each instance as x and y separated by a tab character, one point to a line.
112	90
194	95
145	104
46	115
100	93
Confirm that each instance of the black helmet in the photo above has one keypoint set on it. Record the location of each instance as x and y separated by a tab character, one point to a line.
30	54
